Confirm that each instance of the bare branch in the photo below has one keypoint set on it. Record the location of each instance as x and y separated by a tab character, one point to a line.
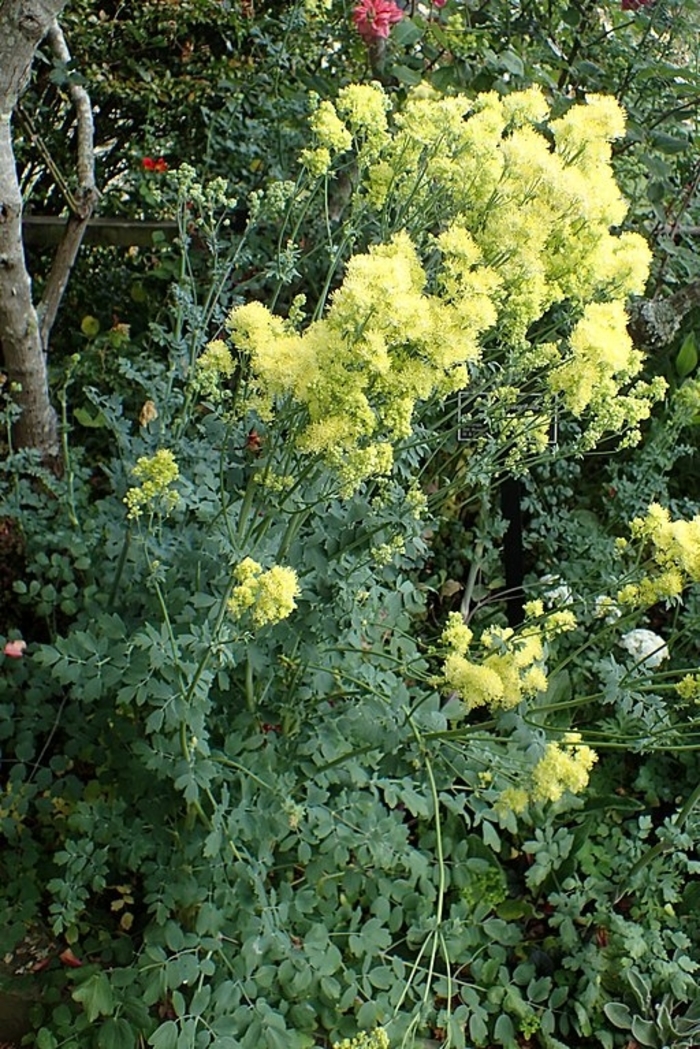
82	203
86	126
656	322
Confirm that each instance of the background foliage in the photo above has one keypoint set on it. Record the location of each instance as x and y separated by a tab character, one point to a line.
223	836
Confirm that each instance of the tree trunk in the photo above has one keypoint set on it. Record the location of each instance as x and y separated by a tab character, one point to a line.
23	24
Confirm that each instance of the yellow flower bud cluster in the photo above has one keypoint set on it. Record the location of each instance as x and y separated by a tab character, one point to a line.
513	667
213	364
564	766
269	595
674	549
376	1039
688	688
156	474
511	670
358	115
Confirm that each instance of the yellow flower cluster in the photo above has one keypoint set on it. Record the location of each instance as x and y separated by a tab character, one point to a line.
688	688
564	766
270	595
376	1039
156	474
512	799
674	548
383	345
513	667
213	365
509	227
358	116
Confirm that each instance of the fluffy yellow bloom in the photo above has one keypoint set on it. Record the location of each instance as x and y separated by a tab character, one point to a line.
329	129
688	688
476	685
512	670
156	474
271	595
564	766
601	350
674	551
516	229
364	107
512	799
457	634
316	161
214	364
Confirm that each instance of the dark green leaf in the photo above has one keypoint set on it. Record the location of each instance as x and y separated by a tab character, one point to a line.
687	356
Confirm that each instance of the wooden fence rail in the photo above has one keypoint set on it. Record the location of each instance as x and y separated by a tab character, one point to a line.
45	231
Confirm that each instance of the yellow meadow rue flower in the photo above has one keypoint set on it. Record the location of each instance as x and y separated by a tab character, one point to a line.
558	623
417	502
674	551
316	161
688	688
270	595
376	1039
364	107
457	634
583	135
213	364
383	345
564	766
329	129
601	352
519	228
476	685
511	671
512	799
156	474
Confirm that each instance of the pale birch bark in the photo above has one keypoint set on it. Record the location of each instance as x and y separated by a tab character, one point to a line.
24	327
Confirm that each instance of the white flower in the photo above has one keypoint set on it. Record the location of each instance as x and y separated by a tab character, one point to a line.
645	646
558	592
605	608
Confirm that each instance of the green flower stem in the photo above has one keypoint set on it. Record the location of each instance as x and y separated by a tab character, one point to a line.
246	507
228	763
120	569
204	660
442	878
249	686
67	457
292	530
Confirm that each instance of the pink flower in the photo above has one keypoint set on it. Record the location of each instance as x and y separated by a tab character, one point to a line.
634	5
374	18
439	3
15	649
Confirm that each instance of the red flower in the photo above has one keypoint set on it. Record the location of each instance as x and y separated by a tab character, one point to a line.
15	649
159	166
634	5
374	18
